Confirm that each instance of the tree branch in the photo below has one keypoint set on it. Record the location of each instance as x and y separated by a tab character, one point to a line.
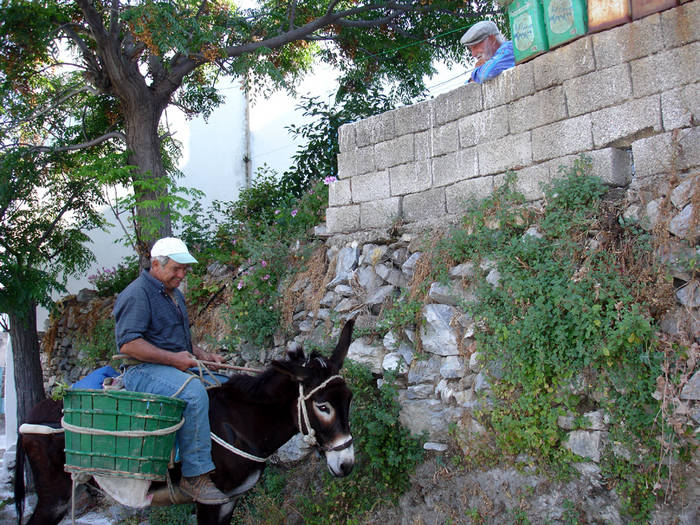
73	147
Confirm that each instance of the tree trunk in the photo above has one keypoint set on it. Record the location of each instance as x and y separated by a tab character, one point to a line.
150	178
29	379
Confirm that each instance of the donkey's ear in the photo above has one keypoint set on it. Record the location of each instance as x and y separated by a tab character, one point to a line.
341	349
297	372
295	352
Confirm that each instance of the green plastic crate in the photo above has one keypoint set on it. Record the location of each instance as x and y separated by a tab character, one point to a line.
565	20
527	29
143	457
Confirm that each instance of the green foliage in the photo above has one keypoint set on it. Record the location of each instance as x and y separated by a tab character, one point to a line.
59	391
98	345
111	281
562	310
172	515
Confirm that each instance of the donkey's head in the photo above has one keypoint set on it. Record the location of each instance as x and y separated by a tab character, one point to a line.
322	411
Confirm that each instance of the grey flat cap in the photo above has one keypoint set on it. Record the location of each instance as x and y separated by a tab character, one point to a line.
479	32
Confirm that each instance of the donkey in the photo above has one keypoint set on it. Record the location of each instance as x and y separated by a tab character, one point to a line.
250	417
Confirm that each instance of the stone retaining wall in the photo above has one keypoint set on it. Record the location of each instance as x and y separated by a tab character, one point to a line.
628	97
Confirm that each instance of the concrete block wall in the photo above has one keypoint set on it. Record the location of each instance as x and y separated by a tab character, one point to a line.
628	97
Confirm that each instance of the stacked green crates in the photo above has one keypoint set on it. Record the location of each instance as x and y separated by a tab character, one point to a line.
143	457
527	29
565	20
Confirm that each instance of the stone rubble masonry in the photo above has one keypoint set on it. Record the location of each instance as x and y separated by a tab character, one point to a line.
628	98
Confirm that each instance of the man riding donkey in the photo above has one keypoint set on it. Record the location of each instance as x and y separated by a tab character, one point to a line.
152	327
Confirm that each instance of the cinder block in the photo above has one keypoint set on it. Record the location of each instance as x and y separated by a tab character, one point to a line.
680	107
598	90
666	70
530	180
510	152
347	164
537	110
562	138
489	124
410	178
510	85
393	152
681	25
343	219
621	125
381	213
346	137
410	119
364	160
612	165
459	196
371	187
671	152
424	205
569	61
454	167
423	145
628	42
445	139
339	193
375	129
458	103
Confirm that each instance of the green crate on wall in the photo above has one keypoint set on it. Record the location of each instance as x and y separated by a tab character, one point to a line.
527	29
565	20
143	457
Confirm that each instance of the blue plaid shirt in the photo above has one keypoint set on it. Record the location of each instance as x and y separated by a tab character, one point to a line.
503	59
144	310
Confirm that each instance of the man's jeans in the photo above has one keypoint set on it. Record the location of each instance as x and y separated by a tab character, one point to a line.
193	437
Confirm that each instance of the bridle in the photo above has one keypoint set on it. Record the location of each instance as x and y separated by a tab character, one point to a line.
309	436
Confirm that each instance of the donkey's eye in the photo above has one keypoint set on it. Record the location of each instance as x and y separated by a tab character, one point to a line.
323	407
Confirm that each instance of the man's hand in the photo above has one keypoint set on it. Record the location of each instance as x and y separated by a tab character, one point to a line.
207	356
183	360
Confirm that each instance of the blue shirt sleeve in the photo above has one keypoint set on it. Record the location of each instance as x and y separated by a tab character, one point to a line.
503	59
132	315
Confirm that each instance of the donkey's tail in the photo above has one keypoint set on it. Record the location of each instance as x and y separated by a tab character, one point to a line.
19	480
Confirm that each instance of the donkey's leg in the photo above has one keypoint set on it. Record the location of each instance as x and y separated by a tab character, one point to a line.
215	514
53	484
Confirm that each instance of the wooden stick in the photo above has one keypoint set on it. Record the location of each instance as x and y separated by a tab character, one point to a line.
213	364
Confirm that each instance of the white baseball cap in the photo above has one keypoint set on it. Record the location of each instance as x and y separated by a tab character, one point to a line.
173	248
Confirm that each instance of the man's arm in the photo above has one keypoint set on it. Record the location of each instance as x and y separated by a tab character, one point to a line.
144	351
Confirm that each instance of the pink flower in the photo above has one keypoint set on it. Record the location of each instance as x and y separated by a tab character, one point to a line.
277	212
294	212
239	285
267	276
330	179
263	263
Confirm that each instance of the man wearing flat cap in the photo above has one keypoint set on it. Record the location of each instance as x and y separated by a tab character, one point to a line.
492	52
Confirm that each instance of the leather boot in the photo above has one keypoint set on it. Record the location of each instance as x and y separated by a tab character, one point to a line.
202	490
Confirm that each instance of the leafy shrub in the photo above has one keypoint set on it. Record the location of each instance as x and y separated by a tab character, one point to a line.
98	345
111	281
563	309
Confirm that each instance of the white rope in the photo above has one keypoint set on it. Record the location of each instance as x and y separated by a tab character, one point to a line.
123	433
30	428
310	436
237	451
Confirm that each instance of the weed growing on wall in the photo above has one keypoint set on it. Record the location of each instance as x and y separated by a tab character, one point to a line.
111	281
98	345
567	310
255	236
